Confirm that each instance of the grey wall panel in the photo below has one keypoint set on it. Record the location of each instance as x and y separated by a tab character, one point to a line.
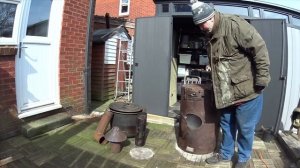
293	77
273	32
152	56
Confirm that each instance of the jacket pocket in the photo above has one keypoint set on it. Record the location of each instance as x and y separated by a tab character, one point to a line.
241	85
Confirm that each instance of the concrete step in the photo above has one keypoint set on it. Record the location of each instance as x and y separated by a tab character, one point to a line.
43	125
291	144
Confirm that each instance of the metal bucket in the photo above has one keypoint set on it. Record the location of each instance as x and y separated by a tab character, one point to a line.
198	122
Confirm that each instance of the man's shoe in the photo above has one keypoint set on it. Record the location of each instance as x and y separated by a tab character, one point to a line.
216	158
241	165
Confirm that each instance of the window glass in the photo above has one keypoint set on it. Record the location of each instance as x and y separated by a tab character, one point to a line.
7	18
165	8
256	13
296	21
232	10
268	14
182	8
38	19
124	7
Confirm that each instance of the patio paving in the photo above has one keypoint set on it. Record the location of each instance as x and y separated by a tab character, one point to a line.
73	146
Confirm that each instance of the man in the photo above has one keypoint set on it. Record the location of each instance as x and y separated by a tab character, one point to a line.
239	63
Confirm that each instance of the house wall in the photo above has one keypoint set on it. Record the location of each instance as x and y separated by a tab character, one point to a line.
9	122
138	8
72	54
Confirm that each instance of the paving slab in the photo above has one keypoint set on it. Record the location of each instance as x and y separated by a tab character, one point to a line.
73	146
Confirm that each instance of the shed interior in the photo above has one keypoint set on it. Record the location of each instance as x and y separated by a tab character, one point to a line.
190	59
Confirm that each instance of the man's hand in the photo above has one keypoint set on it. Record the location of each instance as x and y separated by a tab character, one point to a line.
259	89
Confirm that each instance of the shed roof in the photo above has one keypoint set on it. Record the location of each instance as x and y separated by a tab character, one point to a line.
101	35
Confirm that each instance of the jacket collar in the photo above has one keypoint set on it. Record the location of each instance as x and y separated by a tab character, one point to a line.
217	30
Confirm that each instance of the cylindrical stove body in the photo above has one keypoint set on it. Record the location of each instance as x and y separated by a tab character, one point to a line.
125	116
199	128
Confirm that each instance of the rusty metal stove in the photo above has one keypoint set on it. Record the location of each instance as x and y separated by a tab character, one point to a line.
198	125
125	116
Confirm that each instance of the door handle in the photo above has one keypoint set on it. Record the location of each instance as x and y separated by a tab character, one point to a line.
20	49
282	78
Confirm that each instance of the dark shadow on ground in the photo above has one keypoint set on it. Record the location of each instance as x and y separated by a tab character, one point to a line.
72	146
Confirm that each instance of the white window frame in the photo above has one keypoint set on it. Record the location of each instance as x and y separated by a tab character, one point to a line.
15	34
120	8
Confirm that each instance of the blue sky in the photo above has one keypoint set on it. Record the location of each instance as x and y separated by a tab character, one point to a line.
295	4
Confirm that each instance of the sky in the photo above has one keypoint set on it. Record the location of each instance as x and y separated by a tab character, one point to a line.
295	4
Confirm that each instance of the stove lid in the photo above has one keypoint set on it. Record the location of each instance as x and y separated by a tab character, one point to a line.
125	107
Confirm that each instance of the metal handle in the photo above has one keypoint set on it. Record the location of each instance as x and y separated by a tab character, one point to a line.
20	49
283	71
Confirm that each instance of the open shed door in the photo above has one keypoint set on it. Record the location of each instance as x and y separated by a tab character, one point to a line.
274	33
152	56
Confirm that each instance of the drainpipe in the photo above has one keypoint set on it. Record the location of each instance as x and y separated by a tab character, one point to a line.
87	68
107	20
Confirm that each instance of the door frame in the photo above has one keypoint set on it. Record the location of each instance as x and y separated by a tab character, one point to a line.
53	39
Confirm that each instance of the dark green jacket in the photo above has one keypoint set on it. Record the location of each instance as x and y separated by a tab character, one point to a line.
239	60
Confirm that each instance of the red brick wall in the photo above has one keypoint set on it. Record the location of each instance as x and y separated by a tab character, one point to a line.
9	122
72	54
72	62
141	8
138	8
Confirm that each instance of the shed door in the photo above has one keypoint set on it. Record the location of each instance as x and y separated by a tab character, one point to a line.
37	60
274	33
152	56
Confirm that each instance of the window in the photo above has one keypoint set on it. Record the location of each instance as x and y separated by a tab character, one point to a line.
165	8
9	22
256	13
38	18
296	21
124	7
268	14
182	8
232	10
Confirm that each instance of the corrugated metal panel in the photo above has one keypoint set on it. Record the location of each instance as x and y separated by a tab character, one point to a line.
152	55
293	77
274	33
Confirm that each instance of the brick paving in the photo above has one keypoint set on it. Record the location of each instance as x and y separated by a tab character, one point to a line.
73	146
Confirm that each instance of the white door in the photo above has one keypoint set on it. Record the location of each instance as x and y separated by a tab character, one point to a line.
37	60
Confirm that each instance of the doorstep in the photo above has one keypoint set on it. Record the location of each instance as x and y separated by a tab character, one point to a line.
291	144
43	125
